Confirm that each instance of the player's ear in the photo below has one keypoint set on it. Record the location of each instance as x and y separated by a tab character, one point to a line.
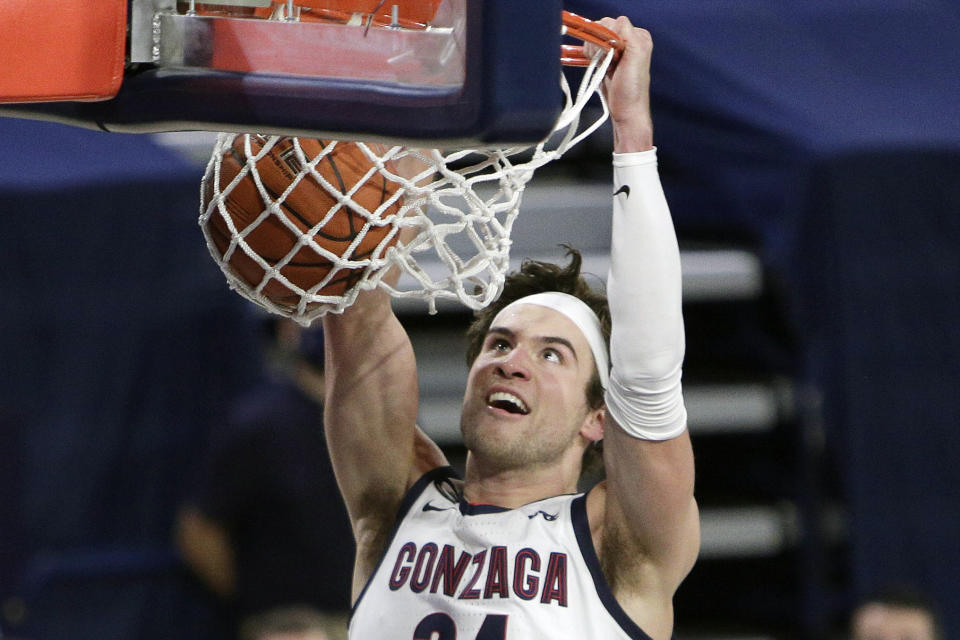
592	428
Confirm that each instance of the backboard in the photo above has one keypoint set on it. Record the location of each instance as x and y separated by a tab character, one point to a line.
447	72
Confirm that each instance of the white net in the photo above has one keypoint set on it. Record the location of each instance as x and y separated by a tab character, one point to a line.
301	226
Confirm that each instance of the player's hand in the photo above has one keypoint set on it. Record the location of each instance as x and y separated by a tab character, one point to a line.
627	88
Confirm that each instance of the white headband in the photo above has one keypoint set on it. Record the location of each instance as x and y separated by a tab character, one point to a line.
582	316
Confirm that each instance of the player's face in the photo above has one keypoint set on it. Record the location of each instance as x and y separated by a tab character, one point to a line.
525	401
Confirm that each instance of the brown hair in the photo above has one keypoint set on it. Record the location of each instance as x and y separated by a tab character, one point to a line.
537	277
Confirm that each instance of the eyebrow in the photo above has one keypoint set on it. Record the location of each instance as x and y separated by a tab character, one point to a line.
509	333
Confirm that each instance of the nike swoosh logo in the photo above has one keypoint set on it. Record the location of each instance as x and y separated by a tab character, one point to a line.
625	190
549	517
430	507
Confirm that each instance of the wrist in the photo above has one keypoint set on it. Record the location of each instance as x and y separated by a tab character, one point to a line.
631	137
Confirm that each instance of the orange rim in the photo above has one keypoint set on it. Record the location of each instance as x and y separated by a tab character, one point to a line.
575	26
337	15
588	31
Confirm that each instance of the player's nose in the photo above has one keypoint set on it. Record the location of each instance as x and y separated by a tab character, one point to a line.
515	364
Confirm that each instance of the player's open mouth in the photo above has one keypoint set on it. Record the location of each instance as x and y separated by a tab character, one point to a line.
507	402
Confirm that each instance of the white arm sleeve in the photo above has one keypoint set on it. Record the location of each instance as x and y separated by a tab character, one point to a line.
645	293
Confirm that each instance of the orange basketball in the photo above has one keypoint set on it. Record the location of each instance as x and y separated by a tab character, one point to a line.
305	206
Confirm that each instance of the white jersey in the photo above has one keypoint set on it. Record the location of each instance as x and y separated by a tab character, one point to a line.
456	571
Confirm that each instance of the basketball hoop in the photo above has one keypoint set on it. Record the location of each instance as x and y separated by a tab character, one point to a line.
452	210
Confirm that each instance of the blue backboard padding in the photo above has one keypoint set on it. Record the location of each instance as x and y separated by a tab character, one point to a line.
511	93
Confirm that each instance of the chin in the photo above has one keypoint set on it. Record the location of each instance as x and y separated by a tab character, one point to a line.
483	439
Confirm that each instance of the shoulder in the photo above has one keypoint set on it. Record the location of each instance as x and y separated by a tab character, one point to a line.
374	531
596	510
382	506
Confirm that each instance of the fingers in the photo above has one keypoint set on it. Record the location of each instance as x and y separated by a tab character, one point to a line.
631	35
591	49
638	41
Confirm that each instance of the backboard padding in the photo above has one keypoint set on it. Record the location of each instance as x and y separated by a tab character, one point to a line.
61	49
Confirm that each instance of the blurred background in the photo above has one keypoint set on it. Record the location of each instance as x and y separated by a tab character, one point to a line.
811	156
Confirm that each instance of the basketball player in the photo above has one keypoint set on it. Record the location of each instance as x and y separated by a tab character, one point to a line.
510	551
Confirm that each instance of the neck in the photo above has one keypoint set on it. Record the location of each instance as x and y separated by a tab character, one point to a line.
513	488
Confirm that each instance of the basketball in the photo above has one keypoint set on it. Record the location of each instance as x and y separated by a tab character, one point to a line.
306	205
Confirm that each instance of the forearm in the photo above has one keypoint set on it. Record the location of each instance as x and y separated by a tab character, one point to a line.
371	399
645	294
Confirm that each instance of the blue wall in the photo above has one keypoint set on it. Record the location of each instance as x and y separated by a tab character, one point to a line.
121	346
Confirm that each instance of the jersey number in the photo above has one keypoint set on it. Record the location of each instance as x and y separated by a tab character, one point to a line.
440	626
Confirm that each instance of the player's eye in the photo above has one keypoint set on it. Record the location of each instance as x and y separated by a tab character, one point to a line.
552	355
498	344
